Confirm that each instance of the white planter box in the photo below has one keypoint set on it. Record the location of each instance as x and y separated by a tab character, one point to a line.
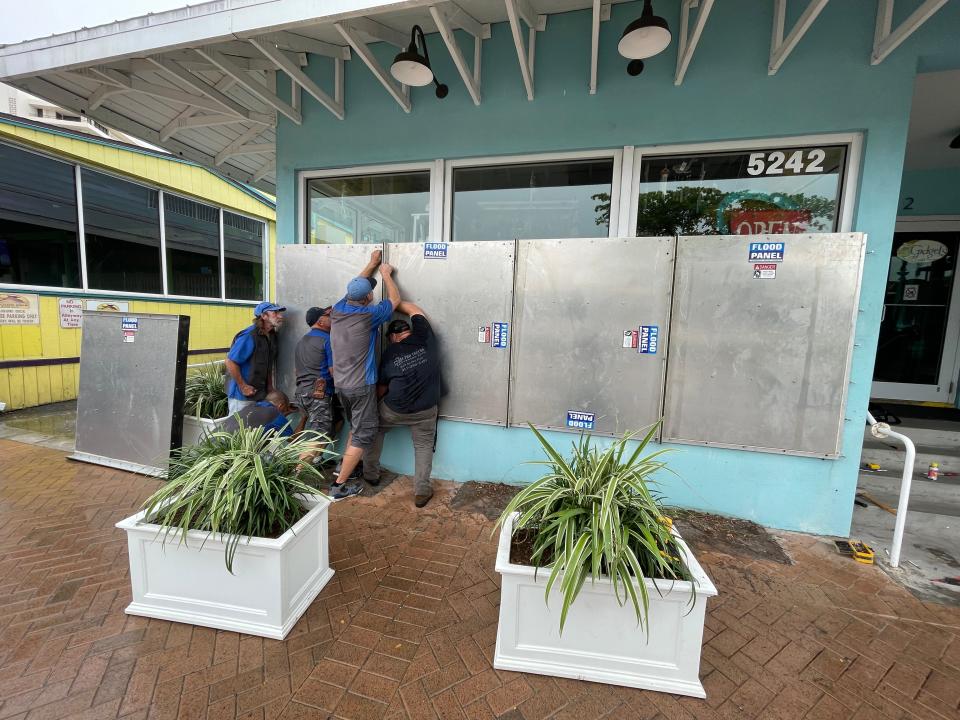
194	428
601	641
273	584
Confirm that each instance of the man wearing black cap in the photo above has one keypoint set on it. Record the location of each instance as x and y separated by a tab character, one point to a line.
410	374
253	357
313	359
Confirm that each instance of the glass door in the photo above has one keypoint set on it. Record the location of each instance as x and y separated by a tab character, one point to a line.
920	325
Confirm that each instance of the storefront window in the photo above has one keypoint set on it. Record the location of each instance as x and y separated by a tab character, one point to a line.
781	190
533	200
366	209
38	221
193	247
122	234
243	251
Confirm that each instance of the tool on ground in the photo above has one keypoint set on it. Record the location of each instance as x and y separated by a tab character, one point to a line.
861	552
933	472
873	467
864	496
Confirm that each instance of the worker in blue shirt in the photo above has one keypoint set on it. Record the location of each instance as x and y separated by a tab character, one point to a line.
253	358
270	414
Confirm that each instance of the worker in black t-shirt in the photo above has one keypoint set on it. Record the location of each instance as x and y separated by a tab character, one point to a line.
409	382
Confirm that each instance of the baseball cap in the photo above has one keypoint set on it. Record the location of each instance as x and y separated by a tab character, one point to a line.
360	287
315	313
397	326
266	306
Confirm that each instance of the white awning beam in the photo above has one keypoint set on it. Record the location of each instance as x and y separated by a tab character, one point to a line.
300	44
885	39
199	85
379	31
690	40
600	13
232	149
133	83
518	10
446	22
271	52
244	80
351	34
101	94
780	47
267	169
167	131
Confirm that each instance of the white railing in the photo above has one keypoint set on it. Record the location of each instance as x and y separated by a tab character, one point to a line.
882	430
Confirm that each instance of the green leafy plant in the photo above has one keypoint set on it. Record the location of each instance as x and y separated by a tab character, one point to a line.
206	392
595	516
236	484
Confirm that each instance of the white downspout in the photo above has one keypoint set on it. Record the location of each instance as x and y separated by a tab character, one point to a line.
882	430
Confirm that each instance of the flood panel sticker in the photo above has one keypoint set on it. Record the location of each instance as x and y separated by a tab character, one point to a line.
580	420
130	323
765	271
499	333
766	251
435	251
631	338
649	339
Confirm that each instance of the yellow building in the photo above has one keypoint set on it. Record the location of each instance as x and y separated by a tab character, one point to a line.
89	223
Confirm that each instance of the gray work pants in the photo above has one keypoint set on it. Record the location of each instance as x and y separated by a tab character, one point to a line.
422	426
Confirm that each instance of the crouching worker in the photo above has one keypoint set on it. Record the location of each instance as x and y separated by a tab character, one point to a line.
270	413
410	375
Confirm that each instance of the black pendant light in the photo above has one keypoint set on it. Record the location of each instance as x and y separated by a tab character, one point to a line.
955	143
411	68
645	37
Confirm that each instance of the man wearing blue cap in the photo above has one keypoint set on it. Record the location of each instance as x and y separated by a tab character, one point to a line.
253	357
355	328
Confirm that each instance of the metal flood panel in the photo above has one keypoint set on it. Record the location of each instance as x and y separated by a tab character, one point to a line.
578	304
130	401
464	291
309	275
760	356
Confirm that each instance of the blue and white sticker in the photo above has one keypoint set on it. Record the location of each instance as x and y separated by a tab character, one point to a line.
767	251
649	339
580	420
500	333
435	251
130	323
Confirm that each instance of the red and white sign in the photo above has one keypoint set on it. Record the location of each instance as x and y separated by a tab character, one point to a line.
765	271
483	335
769	222
631	339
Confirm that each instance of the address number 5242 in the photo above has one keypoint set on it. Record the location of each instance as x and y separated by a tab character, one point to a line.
774	163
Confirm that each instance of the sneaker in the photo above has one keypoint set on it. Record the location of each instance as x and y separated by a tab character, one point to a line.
421	500
373	483
347	489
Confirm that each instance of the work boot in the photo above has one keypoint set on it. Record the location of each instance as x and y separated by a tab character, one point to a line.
421	500
347	489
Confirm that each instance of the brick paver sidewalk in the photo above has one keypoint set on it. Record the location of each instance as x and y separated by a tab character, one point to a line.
406	628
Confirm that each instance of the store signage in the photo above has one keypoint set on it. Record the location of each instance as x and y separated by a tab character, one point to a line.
916	252
649	339
71	312
769	222
437	251
19	309
580	420
768	251
808	161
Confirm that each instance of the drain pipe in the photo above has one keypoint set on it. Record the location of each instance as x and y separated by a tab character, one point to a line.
882	430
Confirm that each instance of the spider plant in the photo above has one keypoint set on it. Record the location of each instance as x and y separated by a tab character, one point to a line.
595	516
235	485
206	392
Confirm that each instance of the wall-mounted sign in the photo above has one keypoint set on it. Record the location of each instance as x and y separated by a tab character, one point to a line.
631	338
108	305
915	252
435	251
764	271
71	312
19	309
766	251
769	222
499	332
911	293
580	420
809	161
649	339
483	334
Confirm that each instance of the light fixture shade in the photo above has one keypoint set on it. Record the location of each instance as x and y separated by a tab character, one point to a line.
645	36
411	68
955	143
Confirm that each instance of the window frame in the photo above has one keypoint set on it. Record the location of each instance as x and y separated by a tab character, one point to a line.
85	288
434	167
614	154
848	189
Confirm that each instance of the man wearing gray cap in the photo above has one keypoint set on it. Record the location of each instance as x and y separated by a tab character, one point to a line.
313	359
354	330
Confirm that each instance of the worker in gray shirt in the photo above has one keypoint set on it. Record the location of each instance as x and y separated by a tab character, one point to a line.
313	359
355	330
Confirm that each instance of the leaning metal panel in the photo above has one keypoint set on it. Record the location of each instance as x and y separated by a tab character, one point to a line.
464	291
581	310
130	400
760	356
309	275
